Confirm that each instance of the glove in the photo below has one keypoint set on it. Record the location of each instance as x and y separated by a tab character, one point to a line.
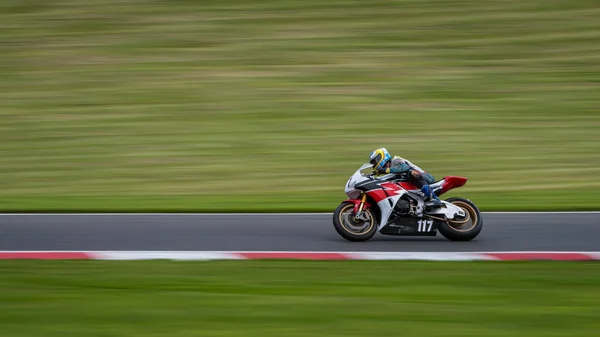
377	172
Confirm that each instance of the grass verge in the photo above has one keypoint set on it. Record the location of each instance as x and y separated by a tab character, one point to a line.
312	298
271	105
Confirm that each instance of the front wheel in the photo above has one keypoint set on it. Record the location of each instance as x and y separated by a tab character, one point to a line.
464	229
351	229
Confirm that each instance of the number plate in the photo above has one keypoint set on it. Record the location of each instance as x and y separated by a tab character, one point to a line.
410	226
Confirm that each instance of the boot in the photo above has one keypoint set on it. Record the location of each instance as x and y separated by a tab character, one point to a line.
431	200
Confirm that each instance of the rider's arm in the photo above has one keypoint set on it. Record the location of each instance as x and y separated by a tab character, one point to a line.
398	167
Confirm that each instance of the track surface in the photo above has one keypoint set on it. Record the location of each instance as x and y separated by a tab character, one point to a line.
293	232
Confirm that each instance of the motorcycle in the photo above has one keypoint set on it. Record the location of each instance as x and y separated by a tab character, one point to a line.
391	205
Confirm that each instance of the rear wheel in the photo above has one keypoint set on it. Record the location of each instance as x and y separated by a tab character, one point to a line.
351	229
466	228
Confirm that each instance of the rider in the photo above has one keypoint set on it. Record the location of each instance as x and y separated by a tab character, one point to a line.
383	163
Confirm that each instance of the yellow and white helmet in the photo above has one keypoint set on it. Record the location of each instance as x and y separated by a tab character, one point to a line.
379	158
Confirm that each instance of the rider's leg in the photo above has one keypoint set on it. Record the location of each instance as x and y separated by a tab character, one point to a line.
422	181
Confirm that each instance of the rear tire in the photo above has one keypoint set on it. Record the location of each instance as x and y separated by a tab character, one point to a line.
350	230
462	229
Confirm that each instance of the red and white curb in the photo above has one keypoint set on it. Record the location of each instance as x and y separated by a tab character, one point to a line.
258	255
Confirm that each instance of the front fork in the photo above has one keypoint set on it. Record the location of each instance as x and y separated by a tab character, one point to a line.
359	213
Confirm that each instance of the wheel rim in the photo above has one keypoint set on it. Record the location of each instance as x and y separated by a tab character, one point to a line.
351	226
463	225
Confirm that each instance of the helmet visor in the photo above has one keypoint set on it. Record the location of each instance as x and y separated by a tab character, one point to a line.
378	157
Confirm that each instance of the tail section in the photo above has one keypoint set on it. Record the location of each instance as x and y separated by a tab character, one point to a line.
447	184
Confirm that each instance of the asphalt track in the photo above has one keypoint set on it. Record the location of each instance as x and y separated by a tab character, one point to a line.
282	232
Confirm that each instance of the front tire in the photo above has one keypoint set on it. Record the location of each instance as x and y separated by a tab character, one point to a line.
462	229
346	227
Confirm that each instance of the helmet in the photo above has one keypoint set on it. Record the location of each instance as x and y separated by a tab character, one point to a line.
379	158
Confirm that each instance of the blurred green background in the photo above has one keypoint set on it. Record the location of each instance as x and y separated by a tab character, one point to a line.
271	105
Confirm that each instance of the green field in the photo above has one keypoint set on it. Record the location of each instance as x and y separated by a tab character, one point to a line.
271	105
283	298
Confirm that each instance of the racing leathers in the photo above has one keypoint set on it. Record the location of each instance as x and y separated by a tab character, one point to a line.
415	175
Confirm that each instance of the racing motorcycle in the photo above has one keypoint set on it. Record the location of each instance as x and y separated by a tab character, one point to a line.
391	205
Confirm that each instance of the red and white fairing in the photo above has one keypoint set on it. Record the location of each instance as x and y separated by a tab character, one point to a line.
387	193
